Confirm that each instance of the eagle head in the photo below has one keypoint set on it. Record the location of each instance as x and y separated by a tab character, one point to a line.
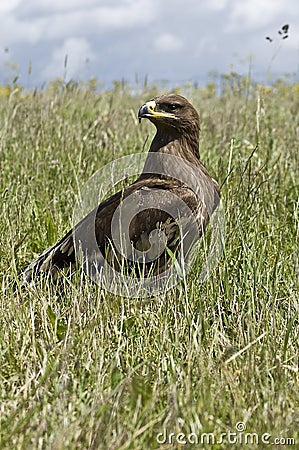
171	111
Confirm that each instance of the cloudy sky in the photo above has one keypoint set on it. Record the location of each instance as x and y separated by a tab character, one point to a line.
174	40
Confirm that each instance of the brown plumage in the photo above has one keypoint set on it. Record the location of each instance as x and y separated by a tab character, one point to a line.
174	184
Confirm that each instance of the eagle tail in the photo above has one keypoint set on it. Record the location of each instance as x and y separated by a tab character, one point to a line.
51	261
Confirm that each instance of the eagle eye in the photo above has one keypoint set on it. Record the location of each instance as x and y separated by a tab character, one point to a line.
167	107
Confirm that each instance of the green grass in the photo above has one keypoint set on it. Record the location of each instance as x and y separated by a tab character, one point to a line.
83	369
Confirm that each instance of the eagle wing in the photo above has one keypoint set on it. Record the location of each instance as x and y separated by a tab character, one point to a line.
151	211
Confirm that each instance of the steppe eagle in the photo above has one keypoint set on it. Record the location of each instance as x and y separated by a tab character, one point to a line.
175	188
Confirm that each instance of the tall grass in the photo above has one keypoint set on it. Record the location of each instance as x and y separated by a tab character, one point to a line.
83	369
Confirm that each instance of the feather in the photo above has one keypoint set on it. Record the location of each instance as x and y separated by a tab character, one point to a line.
154	232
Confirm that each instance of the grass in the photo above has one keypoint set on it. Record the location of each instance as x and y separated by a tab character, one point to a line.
83	369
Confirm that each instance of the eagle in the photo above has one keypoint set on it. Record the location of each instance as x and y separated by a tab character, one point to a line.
163	213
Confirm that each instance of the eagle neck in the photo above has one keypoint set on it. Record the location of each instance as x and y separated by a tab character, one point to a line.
184	146
173	144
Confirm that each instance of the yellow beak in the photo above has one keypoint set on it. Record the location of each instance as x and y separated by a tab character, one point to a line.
148	110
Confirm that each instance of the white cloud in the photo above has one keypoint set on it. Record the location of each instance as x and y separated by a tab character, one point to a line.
255	14
8	5
122	37
54	20
167	43
214	5
78	52
49	7
134	13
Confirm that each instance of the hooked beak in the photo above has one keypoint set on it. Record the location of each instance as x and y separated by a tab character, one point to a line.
149	111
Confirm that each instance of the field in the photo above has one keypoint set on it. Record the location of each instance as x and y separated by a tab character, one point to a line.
85	369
